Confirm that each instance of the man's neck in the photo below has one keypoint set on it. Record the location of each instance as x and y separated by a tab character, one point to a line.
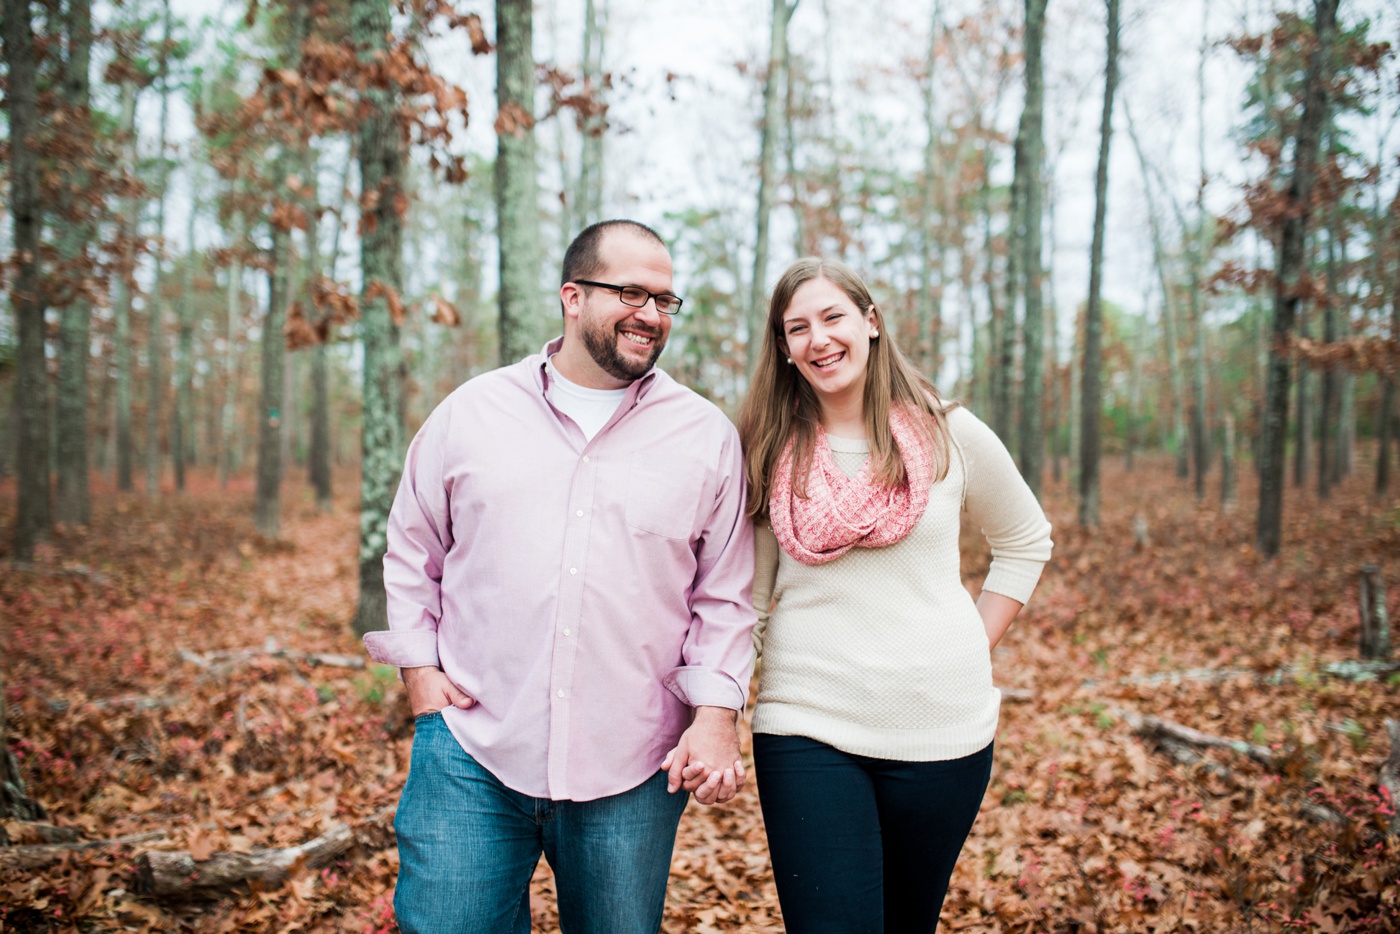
574	364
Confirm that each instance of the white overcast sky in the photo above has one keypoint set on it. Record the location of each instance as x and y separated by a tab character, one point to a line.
693	142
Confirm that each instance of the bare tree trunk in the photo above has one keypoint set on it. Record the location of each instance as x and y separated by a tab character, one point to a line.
121	304
1093	318
1289	276
33	516
182	426
1200	431
590	182
73	505
381	171
767	155
155	351
517	193
1227	463
1033	352
268	499
1327	405
234	303
1169	334
1302	450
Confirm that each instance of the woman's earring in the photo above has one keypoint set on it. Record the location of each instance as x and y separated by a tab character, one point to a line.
874	334
789	359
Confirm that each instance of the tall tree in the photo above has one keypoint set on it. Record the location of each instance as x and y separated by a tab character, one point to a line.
1385	430
155	345
32	517
517	192
381	160
1289	276
931	250
121	301
767	159
268	499
73	505
594	120
1030	140
1177	382
1092	395
1200	434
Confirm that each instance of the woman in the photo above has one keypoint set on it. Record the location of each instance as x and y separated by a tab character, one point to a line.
876	710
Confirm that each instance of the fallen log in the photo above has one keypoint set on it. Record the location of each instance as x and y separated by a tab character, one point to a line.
218	662
35	856
1157	728
176	874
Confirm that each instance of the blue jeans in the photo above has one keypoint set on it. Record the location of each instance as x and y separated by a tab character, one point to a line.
468	846
862	845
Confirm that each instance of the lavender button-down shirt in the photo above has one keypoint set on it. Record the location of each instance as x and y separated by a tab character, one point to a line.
584	592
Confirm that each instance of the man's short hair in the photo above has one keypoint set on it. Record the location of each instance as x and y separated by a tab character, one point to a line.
582	259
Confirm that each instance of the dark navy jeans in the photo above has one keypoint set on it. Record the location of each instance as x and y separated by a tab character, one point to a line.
468	846
862	845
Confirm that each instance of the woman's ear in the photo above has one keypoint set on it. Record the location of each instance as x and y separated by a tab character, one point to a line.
872	316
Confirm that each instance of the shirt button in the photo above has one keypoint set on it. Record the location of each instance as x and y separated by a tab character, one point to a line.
585	458
561	693
566	632
573	570
579	513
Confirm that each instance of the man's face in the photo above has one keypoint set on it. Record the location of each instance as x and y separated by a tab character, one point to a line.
623	340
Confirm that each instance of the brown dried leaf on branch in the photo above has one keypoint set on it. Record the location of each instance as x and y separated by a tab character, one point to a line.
445	313
378	288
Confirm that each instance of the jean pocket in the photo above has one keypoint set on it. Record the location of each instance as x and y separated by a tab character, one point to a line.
427	717
663	500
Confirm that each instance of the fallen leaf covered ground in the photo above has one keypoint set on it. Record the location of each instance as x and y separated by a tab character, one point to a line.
129	723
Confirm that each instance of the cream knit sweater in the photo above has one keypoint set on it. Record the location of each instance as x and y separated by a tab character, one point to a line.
881	652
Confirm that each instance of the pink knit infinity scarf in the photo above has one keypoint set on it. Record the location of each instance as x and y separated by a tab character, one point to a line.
843	512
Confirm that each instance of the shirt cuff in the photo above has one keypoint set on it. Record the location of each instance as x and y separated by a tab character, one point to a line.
705	687
1013	578
403	649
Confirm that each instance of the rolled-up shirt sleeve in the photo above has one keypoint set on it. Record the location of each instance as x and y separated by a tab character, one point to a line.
419	535
718	650
1001	503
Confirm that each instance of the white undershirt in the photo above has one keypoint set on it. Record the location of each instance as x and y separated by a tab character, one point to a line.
589	408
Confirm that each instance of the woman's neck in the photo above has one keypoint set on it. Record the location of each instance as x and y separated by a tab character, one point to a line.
845	417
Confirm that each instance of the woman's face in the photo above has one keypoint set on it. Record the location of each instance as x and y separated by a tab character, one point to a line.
828	339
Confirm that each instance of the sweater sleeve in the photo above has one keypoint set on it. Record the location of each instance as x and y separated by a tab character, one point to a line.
765	576
1001	503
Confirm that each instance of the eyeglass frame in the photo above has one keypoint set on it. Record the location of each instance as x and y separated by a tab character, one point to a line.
651	296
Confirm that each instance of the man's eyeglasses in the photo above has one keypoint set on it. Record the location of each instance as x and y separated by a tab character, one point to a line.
633	295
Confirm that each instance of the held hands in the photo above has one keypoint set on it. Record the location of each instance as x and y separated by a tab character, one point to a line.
711	739
429	690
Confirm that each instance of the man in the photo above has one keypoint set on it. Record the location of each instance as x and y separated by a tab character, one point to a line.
569	575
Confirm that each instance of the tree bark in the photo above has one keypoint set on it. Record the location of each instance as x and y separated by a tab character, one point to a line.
767	157
1033	328
33	516
232	325
1200	431
171	873
182	425
590	181
121	303
517	195
381	160
1289	279
1092	397
73	505
155	351
268	497
1327	404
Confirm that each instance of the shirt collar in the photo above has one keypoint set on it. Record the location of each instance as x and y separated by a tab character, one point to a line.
638	388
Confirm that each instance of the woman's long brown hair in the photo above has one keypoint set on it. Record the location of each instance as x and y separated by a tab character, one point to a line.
781	405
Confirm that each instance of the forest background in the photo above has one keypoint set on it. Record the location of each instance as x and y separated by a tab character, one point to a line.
1157	248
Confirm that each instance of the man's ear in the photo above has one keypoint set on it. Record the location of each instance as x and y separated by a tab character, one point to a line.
571	297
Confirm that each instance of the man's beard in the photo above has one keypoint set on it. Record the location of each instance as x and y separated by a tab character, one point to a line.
602	347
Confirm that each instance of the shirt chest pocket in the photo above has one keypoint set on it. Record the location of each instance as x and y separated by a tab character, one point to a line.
663	499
